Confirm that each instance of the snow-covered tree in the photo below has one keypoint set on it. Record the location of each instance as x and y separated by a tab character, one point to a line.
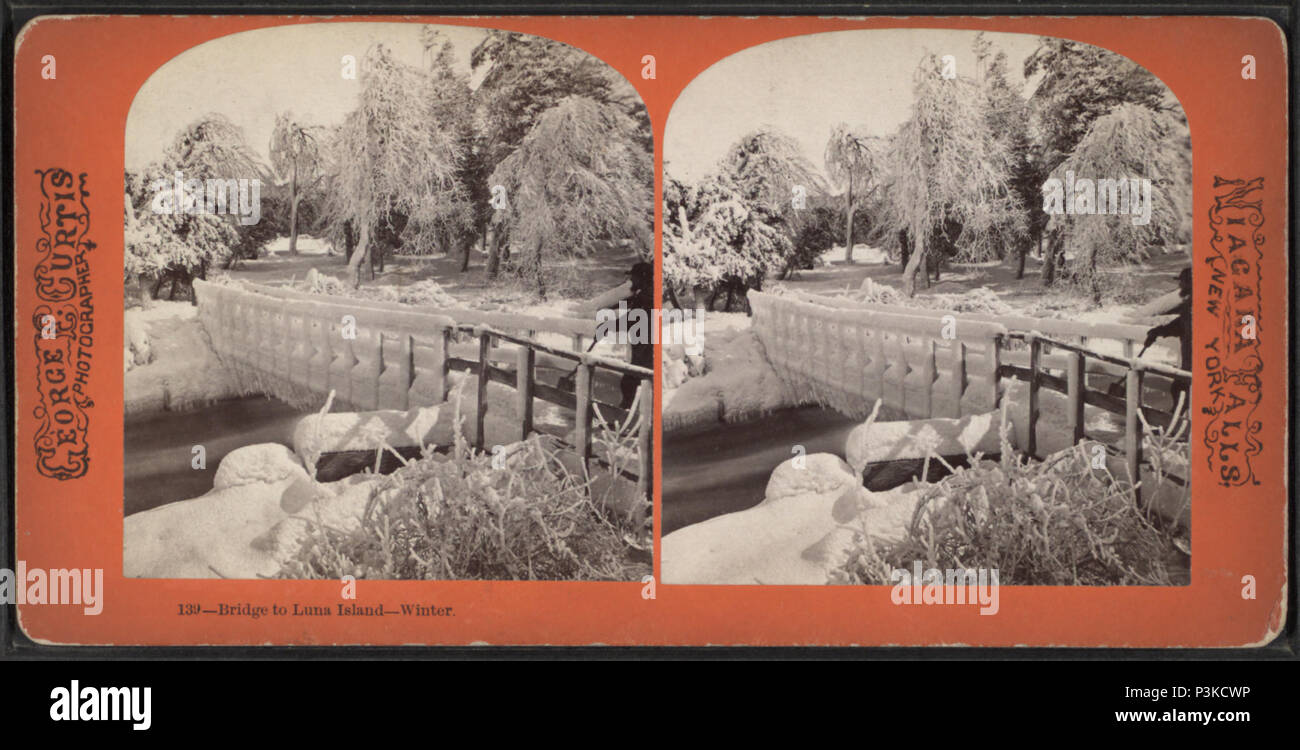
766	167
579	175
1008	118
716	240
527	75
951	174
852	164
177	244
296	157
391	155
1131	143
447	224
524	77
1080	83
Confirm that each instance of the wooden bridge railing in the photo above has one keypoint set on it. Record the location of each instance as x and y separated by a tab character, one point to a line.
1074	385
582	400
293	345
846	355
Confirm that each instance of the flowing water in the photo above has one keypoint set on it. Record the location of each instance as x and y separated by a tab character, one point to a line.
158	448
725	469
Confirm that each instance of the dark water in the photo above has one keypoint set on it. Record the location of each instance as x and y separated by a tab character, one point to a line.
726	469
158	448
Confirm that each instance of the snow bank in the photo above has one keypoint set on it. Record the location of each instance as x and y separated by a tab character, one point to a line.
862	253
795	536
739	384
180	371
875	442
263	504
244	531
307	245
248	526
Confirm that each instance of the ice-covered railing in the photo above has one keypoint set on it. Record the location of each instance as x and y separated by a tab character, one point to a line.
1115	339
293	346
578	330
846	357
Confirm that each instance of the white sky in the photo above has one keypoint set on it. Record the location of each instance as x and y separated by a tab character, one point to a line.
803	86
254	75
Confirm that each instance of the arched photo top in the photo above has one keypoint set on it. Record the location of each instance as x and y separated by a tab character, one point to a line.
972	146
423	137
313	70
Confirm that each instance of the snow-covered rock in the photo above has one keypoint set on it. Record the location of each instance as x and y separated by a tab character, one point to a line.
888	454
243	531
264	462
181	371
811	508
740	385
817	474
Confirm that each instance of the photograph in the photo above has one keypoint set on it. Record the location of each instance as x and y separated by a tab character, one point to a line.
378	283
641	334
930	298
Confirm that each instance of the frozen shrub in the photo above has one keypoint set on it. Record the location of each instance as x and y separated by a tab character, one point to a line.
459	516
1055	522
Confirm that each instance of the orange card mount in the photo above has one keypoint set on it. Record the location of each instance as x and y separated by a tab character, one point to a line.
333	236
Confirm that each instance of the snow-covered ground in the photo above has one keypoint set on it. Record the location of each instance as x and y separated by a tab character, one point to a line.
170	365
862	253
307	245
813	505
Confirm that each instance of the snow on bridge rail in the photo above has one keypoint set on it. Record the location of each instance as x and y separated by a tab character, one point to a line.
293	346
848	357
924	364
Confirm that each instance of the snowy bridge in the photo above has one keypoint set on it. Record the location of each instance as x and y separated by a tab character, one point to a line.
378	355
933	363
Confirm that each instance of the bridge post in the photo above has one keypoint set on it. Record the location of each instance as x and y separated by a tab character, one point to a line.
959	374
408	365
442	364
645	439
480	408
1074	391
1133	425
524	360
582	391
995	370
1035	354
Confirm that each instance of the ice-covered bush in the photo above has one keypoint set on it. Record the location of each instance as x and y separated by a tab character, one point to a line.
1056	522
471	515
